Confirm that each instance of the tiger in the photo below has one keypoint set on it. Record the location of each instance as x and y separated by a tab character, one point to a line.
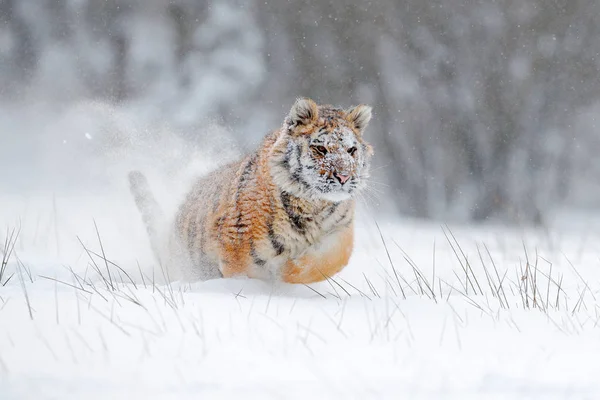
284	212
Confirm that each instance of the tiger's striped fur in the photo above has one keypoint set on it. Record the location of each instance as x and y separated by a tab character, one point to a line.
285	211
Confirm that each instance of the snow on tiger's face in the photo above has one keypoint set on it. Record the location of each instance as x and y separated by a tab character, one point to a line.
326	156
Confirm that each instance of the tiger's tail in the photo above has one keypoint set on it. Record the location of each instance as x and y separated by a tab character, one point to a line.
152	214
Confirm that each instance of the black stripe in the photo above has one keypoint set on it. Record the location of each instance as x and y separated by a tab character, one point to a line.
297	221
345	224
194	229
346	218
239	225
285	201
255	258
217	196
340	219
298	160
322	134
245	175
287	156
296	174
331	210
277	245
219	225
296	177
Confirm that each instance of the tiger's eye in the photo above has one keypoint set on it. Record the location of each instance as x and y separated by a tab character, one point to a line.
352	150
320	149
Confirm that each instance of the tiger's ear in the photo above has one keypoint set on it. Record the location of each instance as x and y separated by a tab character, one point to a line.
303	112
359	116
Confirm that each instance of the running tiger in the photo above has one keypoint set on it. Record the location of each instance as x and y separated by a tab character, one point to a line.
284	212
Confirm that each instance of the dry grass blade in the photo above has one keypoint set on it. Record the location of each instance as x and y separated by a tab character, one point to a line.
331	279
355	288
25	268
522	287
141	274
390	259
467	298
558	293
8	279
535	285
548	287
76	277
171	302
373	290
418	274
94	265
579	275
579	301
525	276
433	267
316	291
117	266
23	286
501	281
490	279
464	268
97	291
336	295
129	298
104	256
64	283
9	246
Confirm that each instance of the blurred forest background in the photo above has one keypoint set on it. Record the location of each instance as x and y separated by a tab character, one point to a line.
482	109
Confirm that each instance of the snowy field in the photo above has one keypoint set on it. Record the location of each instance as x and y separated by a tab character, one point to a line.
486	313
423	311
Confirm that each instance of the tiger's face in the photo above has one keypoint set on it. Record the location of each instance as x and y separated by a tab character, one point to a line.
323	155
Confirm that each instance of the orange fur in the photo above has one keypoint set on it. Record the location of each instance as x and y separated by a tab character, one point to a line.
320	266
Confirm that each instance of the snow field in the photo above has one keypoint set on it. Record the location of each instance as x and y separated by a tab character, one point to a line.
75	328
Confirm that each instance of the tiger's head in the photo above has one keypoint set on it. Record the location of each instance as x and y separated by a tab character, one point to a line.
321	153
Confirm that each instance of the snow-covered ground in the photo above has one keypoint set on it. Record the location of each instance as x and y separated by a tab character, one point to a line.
424	310
73	328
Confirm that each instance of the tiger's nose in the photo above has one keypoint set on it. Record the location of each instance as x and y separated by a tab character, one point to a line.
341	178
